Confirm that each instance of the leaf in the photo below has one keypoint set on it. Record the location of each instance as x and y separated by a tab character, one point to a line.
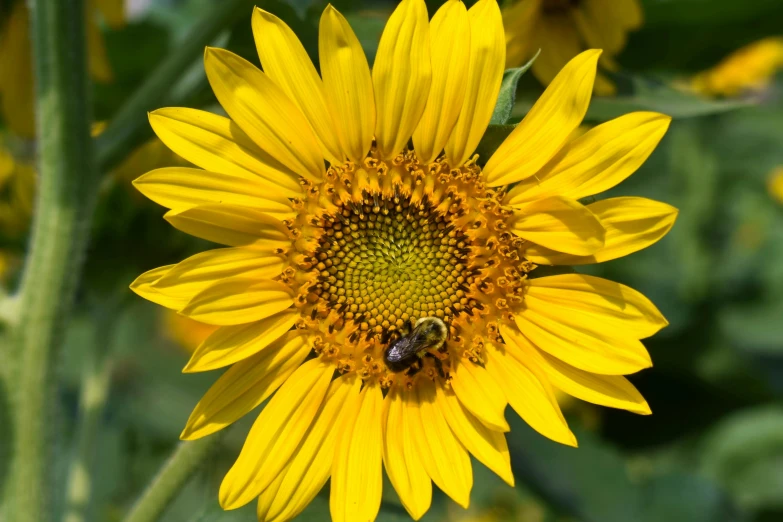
591	483
508	92
655	95
493	137
745	454
644	94
687	498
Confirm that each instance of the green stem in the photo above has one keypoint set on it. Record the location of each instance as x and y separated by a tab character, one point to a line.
129	127
175	473
64	206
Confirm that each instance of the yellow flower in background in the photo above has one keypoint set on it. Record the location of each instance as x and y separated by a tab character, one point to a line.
16	61
776	184
17	190
340	239
186	332
564	28
747	69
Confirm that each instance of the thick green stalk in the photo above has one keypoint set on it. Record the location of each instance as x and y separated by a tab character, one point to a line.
129	127
65	200
174	474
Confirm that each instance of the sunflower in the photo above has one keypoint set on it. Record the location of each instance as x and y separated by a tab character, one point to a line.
775	184
184	331
16	61
17	190
563	28
750	68
341	237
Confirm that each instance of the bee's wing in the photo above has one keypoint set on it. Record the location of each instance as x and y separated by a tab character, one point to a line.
419	339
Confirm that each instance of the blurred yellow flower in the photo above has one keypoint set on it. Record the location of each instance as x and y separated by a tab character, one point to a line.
17	189
747	69
391	294
16	73
186	332
776	184
564	28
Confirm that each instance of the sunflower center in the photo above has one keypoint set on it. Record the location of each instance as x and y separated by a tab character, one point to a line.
380	244
386	262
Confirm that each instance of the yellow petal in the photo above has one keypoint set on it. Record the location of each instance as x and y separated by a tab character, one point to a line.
488	446
197	272
631	224
239	301
561	224
596	161
444	458
485	72
17	86
142	286
519	20
97	54
559	41
264	112
357	470
286	62
347	82
613	391
583	299
247	384
179	188
267	496
112	12
311	466
530	394
217	144
231	344
547	126
401	76
605	23
450	42
230	225
480	394
403	466
590	347
276	434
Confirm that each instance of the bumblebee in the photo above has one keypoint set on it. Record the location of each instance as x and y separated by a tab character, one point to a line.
403	354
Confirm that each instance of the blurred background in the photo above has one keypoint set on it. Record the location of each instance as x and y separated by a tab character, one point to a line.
713	449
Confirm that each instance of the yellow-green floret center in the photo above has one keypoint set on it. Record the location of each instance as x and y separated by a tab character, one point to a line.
387	262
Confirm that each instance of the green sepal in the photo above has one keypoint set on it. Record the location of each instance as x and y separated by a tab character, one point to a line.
508	92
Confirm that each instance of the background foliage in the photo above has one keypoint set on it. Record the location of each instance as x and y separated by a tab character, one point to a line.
713	449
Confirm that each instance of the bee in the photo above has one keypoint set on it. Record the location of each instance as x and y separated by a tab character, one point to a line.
403	354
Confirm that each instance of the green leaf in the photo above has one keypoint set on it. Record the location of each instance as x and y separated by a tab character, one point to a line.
688	498
592	483
493	137
654	95
508	92
745	454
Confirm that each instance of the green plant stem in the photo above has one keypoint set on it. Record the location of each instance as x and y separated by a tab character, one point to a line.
129	127
175	473
64	206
